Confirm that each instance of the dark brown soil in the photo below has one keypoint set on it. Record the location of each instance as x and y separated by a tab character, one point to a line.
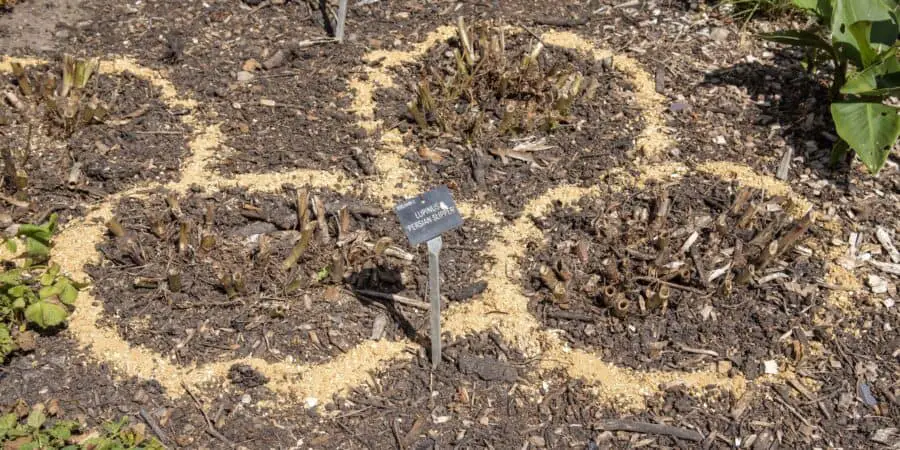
487	162
147	142
483	395
307	313
622	243
90	391
755	97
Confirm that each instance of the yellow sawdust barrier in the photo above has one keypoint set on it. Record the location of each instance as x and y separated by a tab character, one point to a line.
503	306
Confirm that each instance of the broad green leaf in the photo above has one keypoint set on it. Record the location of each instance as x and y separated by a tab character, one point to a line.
848	12
42	233
869	128
855	46
36	249
821	8
46	279
46	314
37	417
68	294
62	430
877	79
12	277
860	32
800	38
7	423
49	291
19	303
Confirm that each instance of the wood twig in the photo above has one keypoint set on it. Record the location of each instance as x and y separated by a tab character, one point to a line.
650	428
154	426
394	298
210	428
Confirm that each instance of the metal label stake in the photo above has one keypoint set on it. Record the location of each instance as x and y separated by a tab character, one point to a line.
434	297
424	218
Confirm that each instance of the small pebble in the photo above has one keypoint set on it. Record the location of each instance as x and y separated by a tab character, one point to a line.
719	34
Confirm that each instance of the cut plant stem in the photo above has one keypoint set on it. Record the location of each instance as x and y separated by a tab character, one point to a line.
302	207
748	216
157	227
184	237
145	283
663	202
173	279
14	101
343	222
174	206
319	209
620	306
337	268
609	296
115	227
469	51
300	247
659	297
790	239
740	200
22	77
207	242
556	286
68	80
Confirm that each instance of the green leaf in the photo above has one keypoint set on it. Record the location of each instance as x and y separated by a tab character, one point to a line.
848	12
800	38
882	78
7	423
12	277
36	249
46	314
62	430
869	128
7	346
821	8
855	42
11	245
860	32
46	279
49	291
37	417
69	294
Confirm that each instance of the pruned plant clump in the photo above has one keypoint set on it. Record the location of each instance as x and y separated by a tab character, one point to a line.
680	274
494	99
302	275
73	132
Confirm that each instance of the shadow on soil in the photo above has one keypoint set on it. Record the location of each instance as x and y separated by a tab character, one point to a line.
797	101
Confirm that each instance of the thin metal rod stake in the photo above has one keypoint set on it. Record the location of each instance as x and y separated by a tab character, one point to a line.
434	297
341	19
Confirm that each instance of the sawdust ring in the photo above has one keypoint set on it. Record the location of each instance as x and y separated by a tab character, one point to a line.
502	307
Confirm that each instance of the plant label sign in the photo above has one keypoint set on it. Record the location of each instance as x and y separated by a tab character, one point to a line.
424	218
428	215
